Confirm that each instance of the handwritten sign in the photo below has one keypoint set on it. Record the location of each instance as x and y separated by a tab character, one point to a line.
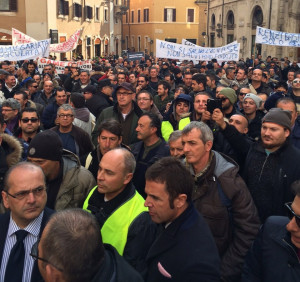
25	51
171	50
19	37
60	65
278	38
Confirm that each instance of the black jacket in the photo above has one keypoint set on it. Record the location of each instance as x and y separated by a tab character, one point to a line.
4	222
115	269
272	256
97	103
185	250
269	177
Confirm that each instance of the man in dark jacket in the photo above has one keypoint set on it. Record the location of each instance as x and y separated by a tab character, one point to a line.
274	255
184	249
151	148
222	197
126	111
79	255
124	221
98	99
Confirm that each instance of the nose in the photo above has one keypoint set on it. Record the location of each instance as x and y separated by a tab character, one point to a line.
31	198
292	225
147	202
99	175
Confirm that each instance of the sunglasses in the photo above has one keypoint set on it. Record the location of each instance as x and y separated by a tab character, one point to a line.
223	99
296	81
26	120
291	214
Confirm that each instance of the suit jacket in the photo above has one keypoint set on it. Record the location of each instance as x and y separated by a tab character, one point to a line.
184	251
4	222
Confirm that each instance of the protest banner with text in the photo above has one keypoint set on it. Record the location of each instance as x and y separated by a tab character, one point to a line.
278	38
60	65
25	51
171	50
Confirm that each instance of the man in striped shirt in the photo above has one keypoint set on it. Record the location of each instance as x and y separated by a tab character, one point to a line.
25	196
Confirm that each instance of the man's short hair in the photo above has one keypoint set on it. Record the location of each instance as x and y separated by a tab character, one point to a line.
145	76
30	110
202	93
200	78
12	103
171	172
165	84
23	93
154	122
229	70
129	160
26	165
286	100
66	107
219	70
145	92
73	243
82	70
112	126
175	135
282	84
206	133
30	82
77	99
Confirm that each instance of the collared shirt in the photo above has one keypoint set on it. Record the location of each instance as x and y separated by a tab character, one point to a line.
33	230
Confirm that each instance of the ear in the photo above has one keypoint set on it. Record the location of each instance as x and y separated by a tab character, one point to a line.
53	274
208	145
286	133
180	201
120	140
127	178
246	130
5	200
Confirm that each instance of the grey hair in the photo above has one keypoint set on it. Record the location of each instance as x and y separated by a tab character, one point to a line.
175	135
129	160
206	133
12	103
66	107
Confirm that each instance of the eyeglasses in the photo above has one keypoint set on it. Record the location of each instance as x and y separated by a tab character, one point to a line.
143	99
65	116
35	86
35	254
223	99
124	93
26	120
296	81
242	94
291	214
23	194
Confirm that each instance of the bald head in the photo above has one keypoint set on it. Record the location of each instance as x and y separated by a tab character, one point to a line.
240	123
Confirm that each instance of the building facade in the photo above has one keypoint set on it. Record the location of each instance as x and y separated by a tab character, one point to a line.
230	20
170	20
59	19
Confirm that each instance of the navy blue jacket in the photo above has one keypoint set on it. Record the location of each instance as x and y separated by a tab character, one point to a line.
272	256
49	115
185	250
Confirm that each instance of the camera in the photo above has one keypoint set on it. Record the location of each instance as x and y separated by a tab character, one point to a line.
213	104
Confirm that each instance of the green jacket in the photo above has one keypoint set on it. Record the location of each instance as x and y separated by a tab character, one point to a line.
113	112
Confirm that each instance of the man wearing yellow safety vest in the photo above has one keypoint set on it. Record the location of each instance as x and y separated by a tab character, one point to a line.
125	222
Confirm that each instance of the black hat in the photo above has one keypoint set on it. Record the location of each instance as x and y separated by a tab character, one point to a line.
126	86
279	116
89	89
104	82
46	145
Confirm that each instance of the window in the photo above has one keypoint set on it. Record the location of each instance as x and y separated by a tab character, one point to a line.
132	16
169	15
146	15
213	22
8	5
173	40
139	16
77	10
126	17
190	15
230	20
97	14
88	12
194	41
63	7
105	15
229	38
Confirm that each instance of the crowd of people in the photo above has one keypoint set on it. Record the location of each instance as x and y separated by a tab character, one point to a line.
150	170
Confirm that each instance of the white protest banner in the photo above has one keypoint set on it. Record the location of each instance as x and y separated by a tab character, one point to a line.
19	37
68	45
278	38
170	50
60	65
25	51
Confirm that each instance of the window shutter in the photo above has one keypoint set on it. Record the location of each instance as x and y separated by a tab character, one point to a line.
165	14
13	5
66	7
174	15
80	11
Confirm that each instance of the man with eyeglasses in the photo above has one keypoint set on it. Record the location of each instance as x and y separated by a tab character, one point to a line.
145	102
29	126
242	93
74	139
275	253
25	196
126	111
79	255
295	93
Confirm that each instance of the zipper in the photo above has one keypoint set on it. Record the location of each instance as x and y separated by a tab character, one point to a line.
292	249
263	168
